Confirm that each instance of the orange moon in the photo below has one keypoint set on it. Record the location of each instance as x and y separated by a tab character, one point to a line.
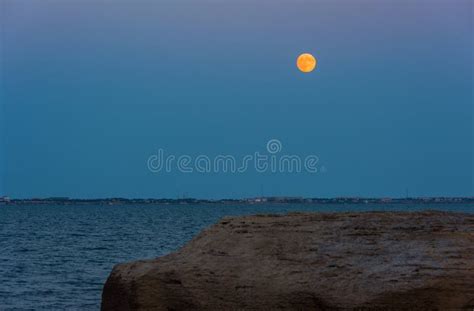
306	62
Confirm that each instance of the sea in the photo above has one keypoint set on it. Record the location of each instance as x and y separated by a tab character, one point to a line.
58	257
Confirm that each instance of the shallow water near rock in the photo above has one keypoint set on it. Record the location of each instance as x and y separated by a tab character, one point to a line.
58	257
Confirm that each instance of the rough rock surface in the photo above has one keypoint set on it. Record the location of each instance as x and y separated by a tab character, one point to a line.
375	260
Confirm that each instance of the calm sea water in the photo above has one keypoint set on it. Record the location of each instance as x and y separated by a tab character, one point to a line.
58	257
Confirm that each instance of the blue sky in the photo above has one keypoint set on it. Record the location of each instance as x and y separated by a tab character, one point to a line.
91	89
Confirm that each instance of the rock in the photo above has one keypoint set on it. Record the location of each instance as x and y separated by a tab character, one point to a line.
374	260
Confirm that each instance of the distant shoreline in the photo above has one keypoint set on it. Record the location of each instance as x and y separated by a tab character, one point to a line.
256	200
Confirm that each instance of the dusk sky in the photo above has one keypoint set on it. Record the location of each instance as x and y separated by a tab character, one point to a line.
91	89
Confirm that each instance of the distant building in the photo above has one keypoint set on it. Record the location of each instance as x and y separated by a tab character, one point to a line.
259	200
5	199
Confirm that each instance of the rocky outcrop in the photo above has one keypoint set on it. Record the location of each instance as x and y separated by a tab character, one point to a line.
375	260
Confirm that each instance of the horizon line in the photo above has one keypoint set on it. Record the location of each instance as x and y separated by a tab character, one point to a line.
65	198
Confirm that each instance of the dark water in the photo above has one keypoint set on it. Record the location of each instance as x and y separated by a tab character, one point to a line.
58	257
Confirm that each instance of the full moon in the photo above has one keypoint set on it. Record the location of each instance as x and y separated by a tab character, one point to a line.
306	62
